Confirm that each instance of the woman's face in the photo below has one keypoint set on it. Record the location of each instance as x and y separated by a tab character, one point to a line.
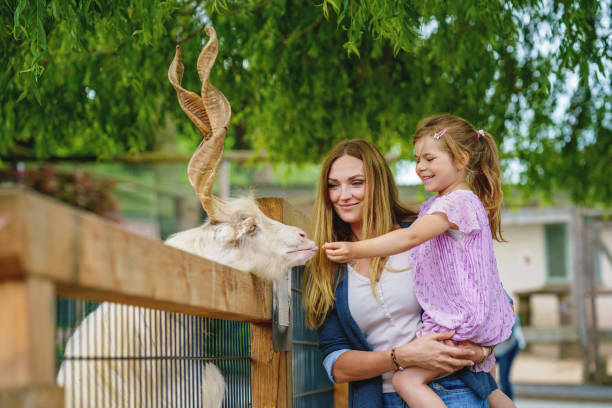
346	189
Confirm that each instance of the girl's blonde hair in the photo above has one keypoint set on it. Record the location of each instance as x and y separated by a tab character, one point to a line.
381	212
482	168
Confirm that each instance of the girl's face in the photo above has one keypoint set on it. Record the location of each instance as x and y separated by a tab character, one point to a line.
346	189
436	167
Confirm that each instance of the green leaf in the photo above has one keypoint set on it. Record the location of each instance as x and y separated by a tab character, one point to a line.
351	47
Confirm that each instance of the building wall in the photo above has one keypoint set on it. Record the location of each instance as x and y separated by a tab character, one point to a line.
522	260
522	265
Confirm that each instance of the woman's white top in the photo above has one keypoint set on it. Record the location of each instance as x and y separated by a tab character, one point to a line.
394	316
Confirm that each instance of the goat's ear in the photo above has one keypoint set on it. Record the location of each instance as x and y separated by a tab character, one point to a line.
225	233
246	226
233	232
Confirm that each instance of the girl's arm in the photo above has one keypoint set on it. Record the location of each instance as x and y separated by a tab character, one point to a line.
391	243
479	351
428	351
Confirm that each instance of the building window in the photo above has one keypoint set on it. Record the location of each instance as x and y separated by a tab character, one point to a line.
556	252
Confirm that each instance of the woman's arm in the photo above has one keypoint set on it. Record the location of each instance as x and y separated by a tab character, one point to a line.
391	243
428	351
360	365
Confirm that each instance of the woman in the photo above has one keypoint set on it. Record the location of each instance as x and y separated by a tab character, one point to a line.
366	312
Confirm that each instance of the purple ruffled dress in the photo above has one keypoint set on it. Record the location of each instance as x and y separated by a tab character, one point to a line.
456	280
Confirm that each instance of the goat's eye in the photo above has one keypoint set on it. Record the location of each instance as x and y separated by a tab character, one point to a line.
252	229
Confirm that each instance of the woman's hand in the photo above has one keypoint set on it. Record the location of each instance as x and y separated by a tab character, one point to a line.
339	252
431	352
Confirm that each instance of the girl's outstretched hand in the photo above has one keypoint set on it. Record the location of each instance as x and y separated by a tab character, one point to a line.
339	252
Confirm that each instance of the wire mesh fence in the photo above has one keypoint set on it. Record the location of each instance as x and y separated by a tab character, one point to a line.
311	385
113	355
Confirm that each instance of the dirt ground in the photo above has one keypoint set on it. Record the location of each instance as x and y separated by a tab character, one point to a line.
536	369
531	369
528	403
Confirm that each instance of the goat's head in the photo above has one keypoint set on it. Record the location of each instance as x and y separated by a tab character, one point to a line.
237	232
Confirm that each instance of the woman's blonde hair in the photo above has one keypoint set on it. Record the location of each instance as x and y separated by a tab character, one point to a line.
482	168
381	212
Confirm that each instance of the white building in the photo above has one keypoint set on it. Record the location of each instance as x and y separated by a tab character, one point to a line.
541	252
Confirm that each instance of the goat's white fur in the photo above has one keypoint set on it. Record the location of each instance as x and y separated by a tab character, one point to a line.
123	383
251	242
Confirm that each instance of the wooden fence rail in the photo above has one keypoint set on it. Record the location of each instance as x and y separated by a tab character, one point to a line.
48	249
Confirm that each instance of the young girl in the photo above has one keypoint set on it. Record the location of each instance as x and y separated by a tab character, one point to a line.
456	280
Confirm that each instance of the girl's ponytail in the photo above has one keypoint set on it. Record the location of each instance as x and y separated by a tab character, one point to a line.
486	181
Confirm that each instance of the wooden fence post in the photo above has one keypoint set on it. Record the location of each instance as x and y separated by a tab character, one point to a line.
272	371
590	296
579	287
269	369
27	358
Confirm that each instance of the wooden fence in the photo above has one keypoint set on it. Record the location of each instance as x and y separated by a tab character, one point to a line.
48	249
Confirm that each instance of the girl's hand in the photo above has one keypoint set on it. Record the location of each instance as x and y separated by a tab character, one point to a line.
339	252
431	352
477	350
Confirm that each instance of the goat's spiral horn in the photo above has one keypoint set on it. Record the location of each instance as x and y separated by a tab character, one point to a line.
211	113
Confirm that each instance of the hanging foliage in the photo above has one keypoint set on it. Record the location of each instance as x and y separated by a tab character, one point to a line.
88	79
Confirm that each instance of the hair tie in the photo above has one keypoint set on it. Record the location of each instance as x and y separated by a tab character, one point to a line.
480	133
437	135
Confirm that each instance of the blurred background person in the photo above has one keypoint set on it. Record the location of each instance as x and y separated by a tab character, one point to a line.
505	353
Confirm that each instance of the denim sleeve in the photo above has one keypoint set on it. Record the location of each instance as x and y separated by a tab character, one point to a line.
331	335
509	297
330	360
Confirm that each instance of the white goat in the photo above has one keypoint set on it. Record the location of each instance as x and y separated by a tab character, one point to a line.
249	241
237	234
114	361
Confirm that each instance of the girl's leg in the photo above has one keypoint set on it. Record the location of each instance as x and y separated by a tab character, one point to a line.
411	385
497	399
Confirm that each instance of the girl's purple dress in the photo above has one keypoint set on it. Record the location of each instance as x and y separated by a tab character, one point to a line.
456	279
